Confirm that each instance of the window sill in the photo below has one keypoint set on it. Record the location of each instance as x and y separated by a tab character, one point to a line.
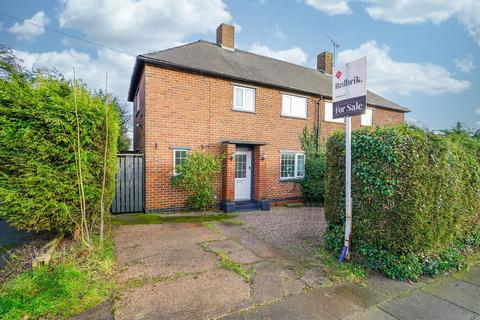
366	125
333	122
293	117
291	179
243	110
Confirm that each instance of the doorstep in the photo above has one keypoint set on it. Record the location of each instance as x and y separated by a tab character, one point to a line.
247	205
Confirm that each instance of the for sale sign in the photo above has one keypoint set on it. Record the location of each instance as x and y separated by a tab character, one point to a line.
349	89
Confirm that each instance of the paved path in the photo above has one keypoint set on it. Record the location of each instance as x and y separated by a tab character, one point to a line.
448	298
173	271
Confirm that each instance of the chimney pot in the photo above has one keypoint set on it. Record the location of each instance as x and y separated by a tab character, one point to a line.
226	36
325	62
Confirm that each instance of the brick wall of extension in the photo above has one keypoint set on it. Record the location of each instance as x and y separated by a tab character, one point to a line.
180	109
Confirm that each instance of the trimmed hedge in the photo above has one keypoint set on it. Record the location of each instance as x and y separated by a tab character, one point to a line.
313	184
416	195
38	180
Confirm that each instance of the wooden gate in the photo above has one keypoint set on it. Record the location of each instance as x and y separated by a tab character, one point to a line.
129	184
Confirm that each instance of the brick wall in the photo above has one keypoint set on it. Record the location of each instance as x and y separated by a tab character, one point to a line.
189	110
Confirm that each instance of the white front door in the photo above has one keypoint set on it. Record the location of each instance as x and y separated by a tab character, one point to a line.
243	175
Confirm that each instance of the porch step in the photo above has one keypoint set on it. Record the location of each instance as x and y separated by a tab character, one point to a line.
246	206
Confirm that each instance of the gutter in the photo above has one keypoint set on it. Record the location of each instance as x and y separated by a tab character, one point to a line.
141	59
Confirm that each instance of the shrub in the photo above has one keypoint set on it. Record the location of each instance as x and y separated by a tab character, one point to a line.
38	177
414	194
313	184
197	175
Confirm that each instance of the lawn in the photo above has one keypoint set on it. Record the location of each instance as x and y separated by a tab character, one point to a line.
75	281
141	218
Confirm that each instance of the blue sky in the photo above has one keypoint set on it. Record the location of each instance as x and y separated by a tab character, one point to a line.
423	54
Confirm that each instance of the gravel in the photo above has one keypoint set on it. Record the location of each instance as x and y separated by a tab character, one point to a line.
297	230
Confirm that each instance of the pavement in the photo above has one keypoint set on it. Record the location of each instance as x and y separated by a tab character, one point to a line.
174	271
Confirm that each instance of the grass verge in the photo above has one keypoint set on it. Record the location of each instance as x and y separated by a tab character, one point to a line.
142	218
335	271
76	280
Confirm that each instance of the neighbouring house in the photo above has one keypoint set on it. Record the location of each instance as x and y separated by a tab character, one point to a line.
212	97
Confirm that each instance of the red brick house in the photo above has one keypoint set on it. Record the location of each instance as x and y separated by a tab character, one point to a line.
212	97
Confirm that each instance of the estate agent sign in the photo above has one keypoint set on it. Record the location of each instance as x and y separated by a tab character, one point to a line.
349	89
349	95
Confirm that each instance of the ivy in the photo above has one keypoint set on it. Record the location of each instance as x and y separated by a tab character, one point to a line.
415	195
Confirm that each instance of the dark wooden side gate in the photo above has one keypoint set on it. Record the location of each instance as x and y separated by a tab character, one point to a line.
129	184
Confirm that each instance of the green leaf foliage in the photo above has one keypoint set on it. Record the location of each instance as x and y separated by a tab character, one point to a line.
38	176
197	175
415	196
313	184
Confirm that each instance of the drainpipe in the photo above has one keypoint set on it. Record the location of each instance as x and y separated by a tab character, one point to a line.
318	122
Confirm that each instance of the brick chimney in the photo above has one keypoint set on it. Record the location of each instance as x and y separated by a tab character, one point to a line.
226	36
324	62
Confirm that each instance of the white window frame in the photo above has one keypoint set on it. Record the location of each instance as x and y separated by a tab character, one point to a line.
362	118
290	115
329	105
243	107
174	156
295	175
137	100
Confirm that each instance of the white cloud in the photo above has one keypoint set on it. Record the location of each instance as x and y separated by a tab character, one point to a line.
413	11
466	64
470	17
29	28
436	11
142	25
330	7
91	71
388	75
238	28
134	26
277	32
293	55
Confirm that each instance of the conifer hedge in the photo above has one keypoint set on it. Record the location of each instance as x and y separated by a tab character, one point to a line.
416	195
38	176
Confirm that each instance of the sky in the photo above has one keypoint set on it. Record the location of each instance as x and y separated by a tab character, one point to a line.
422	54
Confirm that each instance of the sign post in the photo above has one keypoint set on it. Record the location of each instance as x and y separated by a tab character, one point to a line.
349	93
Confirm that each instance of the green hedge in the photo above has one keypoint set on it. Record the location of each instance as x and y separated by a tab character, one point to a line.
313	184
416	195
38	180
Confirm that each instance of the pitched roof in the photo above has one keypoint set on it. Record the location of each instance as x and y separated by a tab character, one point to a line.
210	59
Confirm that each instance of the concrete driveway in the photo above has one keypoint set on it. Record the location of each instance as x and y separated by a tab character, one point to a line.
197	271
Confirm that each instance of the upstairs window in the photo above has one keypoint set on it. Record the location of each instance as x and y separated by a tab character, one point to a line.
243	99
367	118
178	157
329	113
294	106
292	165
